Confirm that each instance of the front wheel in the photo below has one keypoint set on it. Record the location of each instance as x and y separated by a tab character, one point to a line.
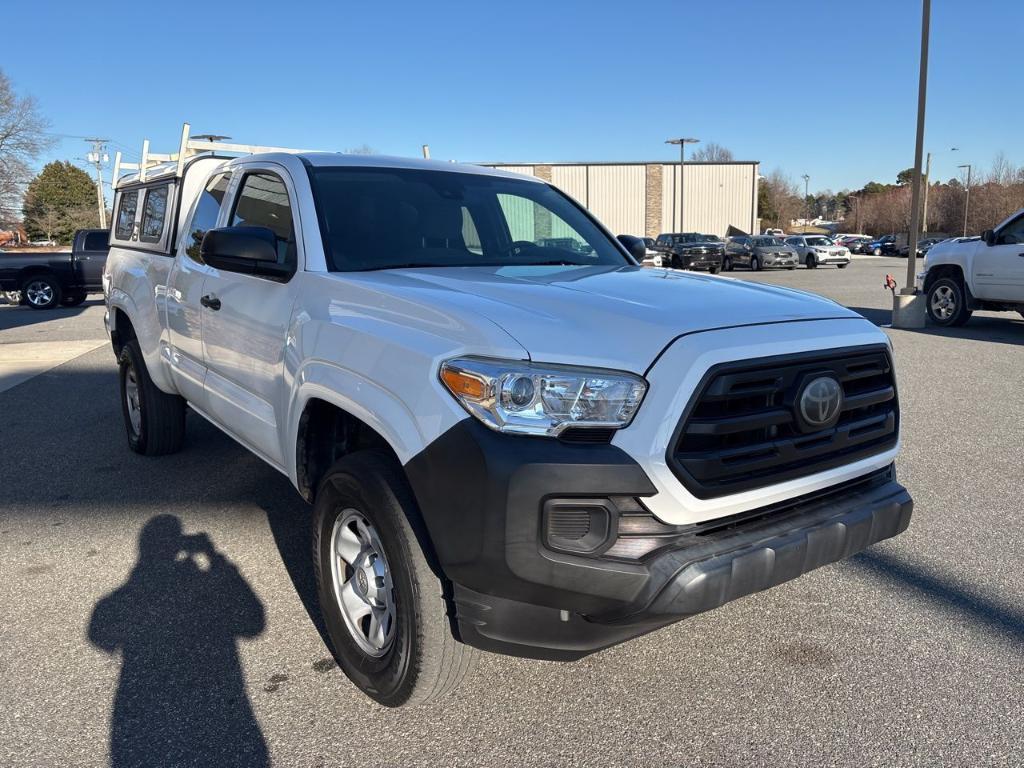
727	264
947	304
41	292
755	264
843	266
877	251
383	607
811	261
154	420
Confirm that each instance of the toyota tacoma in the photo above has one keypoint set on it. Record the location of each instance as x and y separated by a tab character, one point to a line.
511	442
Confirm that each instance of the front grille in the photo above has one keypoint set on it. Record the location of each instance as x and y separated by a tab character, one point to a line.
741	430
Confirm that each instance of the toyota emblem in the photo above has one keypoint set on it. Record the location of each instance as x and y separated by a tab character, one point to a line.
821	402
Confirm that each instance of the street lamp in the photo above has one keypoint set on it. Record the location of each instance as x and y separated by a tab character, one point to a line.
682	161
807	217
967	198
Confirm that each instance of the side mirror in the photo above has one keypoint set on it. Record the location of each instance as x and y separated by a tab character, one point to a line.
989	236
247	250
634	246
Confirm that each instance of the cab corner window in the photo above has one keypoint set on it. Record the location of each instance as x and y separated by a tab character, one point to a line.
154	214
126	214
205	216
263	201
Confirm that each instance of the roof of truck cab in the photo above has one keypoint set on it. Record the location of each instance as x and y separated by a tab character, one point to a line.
340	160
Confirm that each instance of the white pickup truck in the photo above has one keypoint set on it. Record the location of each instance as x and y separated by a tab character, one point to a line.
963	274
528	449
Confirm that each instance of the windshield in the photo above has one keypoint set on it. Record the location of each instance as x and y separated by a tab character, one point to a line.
388	218
769	241
819	241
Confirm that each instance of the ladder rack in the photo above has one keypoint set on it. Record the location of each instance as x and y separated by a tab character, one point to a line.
189	147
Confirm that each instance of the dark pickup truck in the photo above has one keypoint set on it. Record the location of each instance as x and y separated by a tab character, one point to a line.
55	278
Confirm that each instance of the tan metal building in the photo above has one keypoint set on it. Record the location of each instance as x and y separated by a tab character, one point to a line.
642	198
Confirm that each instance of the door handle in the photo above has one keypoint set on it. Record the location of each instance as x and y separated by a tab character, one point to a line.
210	302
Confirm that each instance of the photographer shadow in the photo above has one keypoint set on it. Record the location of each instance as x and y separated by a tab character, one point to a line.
181	698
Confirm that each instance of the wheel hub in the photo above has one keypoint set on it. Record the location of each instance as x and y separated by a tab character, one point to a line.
362	583
39	293
131	396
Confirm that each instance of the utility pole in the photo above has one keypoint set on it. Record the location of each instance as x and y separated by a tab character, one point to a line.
98	157
967	198
908	309
682	166
807	217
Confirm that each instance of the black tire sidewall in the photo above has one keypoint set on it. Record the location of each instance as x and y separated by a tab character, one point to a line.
755	264
390	678
132	358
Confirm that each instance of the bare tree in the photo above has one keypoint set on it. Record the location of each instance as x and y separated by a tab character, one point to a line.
712	153
22	139
779	200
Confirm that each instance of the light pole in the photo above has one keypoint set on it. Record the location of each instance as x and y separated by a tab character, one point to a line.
967	198
908	309
807	217
682	165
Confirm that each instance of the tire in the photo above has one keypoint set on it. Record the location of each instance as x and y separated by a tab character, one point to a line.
843	266
154	420
41	292
755	264
877	252
415	659
811	261
727	264
946	303
73	299
675	262
713	270
790	269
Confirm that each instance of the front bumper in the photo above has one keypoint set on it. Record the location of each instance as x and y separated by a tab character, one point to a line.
701	261
482	497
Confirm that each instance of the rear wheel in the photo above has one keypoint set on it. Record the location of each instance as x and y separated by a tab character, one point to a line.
727	264
41	292
383	606
154	420
946	303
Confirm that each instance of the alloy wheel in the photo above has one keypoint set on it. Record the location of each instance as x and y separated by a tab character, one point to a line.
362	583
943	302
39	293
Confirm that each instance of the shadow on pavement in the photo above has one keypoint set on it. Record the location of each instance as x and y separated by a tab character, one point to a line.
20	317
1005	329
982	610
181	698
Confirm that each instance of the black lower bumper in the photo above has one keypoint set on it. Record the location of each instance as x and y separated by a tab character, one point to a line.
482	496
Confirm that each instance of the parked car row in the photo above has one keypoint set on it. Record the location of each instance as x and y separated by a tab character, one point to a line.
693	250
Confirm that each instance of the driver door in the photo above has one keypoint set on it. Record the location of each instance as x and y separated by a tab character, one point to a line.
999	268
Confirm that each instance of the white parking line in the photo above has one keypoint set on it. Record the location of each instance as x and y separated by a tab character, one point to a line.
20	361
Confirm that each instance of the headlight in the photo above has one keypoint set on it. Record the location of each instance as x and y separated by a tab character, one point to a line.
521	397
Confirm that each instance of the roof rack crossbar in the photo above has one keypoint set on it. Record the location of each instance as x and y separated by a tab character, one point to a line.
190	148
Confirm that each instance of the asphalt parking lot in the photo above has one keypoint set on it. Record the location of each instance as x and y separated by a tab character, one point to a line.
909	654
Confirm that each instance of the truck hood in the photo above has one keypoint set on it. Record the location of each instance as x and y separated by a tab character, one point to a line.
611	317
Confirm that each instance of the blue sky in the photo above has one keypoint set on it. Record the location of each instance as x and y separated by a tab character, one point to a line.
823	88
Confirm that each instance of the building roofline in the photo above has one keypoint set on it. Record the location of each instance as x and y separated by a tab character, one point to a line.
624	162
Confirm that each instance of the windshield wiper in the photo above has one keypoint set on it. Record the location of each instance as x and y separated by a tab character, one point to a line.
552	263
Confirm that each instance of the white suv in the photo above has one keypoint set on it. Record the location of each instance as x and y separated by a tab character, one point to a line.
815	250
515	438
